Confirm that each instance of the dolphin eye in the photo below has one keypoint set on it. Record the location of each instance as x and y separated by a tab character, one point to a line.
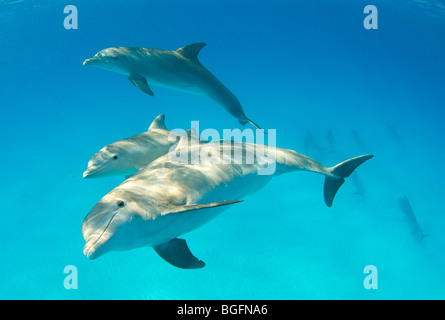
115	157
120	204
116	58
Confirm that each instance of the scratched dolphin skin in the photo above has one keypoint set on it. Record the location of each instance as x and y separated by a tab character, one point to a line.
169	198
179	70
127	156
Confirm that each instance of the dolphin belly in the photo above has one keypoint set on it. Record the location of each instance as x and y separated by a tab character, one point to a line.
175	83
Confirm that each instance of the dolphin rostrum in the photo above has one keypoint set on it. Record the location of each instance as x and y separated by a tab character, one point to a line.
127	156
169	198
180	70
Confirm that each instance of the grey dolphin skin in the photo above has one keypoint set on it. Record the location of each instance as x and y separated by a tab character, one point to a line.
179	70
169	198
406	208
127	156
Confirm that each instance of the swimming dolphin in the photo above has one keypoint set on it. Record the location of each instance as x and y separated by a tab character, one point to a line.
179	70
359	188
310	143
358	140
406	208
394	134
127	156
331	139
169	197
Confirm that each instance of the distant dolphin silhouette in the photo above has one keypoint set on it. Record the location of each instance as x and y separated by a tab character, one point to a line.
168	198
310	143
331	139
394	134
357	139
406	208
359	189
179	70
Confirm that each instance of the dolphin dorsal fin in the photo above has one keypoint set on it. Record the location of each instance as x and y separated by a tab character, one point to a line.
191	51
158	123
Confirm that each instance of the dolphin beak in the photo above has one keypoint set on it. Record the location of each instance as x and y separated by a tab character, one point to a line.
89	62
90	251
90	172
97	243
86	174
94	246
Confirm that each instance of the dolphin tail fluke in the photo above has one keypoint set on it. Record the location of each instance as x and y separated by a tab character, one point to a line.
423	236
339	173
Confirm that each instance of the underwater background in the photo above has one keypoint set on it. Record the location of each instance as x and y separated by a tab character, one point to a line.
308	69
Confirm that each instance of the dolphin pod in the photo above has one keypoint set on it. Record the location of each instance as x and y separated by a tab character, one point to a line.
179	70
165	196
168	198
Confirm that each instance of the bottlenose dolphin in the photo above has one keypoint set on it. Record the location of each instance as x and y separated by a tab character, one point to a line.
168	198
331	139
180	70
127	156
359	188
310	143
394	134
358	140
406	208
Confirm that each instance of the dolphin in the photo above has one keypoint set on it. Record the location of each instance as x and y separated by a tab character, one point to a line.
179	70
406	208
359	188
310	143
358	140
127	156
169	198
331	139
394	134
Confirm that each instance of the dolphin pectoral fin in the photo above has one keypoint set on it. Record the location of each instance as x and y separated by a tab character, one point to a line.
177	253
141	83
194	207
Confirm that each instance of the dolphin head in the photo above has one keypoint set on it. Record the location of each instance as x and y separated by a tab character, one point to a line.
125	156
110	161
113	59
114	224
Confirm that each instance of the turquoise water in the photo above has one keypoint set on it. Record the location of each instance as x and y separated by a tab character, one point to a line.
296	67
